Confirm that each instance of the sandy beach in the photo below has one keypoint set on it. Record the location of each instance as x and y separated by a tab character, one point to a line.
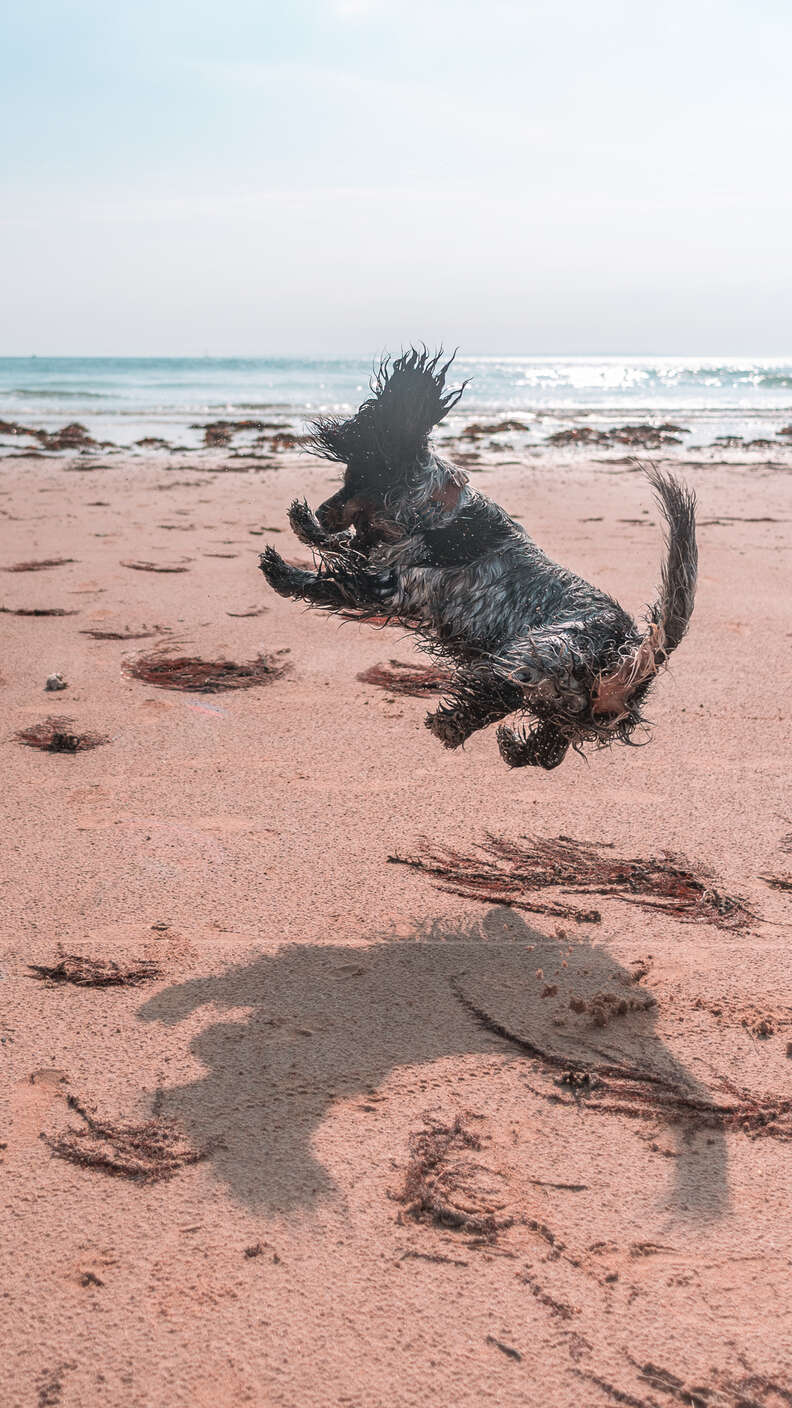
342	1136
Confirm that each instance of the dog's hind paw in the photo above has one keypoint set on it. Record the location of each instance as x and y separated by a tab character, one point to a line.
447	727
544	747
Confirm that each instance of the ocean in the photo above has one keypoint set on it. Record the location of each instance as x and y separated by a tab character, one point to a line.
123	399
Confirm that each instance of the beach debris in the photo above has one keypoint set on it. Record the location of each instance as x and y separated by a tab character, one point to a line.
507	1349
401	678
787	430
501	427
37	611
56	735
40	565
442	1184
153	567
95	972
55	682
143	634
190	673
507	872
719	1390
621	1088
778	882
146	1153
254	611
70	437
218	433
153	442
648	437
285	440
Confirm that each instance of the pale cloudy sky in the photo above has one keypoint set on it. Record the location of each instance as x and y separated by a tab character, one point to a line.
249	177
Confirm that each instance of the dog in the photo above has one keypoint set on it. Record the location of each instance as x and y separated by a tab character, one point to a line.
406	537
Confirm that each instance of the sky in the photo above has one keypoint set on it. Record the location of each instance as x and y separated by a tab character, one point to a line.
246	177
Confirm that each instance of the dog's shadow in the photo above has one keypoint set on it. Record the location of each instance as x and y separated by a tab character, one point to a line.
327	1022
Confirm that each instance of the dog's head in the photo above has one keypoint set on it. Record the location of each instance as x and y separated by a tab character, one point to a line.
391	476
385	508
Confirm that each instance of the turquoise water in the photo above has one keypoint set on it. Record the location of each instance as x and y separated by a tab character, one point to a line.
122	399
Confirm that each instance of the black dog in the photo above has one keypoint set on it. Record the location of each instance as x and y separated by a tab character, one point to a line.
406	536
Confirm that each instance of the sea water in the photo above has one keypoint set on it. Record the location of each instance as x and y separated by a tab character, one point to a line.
123	399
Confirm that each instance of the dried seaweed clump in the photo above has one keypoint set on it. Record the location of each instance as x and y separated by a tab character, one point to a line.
40	565
190	673
399	678
37	611
56	735
123	635
649	437
506	872
147	1153
442	1183
501	427
639	1093
96	972
153	567
70	437
719	1390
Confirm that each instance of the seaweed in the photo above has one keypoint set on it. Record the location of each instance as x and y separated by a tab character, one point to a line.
400	678
39	566
438	1184
505	872
37	611
146	1153
123	635
55	734
191	674
153	567
95	972
640	1094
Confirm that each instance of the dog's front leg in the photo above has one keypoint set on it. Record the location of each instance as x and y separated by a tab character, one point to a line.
351	588
306	526
478	697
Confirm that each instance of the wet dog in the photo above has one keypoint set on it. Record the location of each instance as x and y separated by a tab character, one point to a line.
408	538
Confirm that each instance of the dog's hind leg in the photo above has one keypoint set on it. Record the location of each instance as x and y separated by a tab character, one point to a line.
478	696
544	747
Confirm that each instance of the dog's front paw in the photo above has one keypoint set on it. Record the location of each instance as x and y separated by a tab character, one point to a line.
277	572
446	727
305	525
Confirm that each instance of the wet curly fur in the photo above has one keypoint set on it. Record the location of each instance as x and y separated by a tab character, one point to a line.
406	536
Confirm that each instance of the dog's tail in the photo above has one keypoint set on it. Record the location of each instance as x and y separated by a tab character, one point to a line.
670	615
390	431
618	695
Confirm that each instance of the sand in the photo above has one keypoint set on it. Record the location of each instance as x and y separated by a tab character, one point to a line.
335	1143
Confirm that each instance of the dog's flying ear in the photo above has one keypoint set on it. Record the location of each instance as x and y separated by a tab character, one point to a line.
390	431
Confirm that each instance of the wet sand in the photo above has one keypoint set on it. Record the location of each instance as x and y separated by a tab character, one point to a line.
354	1059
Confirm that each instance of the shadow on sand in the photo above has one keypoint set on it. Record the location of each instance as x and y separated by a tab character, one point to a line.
331	1022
